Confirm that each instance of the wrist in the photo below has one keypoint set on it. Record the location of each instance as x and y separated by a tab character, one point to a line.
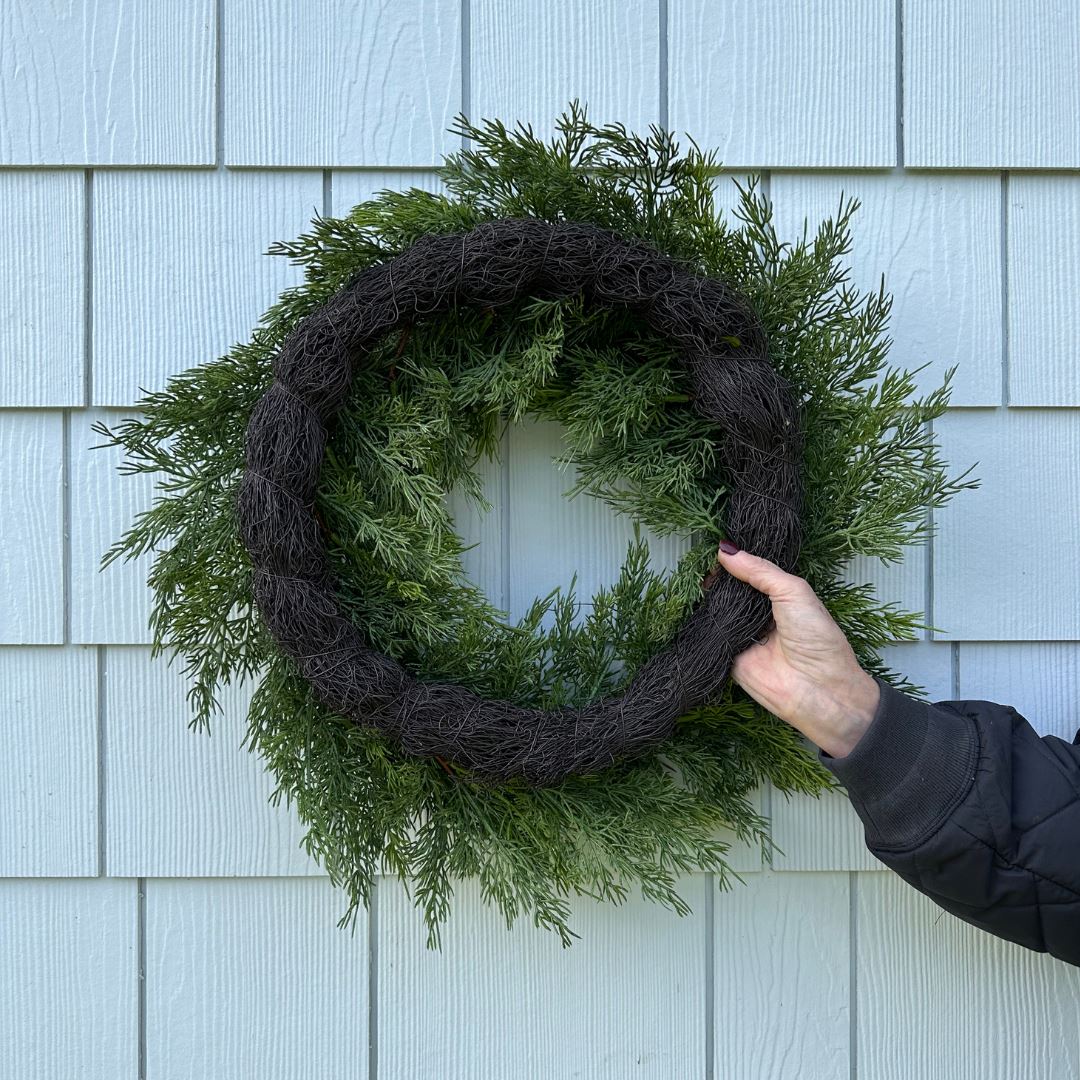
854	705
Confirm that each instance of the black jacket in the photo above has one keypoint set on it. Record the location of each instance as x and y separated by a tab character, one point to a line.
970	806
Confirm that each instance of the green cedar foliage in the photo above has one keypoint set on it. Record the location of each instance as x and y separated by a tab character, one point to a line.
427	405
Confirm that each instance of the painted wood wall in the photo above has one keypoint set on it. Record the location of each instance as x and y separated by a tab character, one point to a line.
157	916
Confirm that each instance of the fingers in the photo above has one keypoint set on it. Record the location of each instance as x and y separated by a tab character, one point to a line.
764	575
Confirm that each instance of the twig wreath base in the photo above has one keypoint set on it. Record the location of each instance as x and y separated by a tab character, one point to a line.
725	353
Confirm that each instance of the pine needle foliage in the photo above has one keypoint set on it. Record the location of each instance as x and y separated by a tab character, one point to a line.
426	407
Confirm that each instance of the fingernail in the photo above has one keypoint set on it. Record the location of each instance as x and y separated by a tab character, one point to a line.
727	547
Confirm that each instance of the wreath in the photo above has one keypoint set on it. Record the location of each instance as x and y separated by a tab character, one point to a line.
492	265
704	374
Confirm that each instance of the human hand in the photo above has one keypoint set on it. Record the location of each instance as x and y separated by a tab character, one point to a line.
805	671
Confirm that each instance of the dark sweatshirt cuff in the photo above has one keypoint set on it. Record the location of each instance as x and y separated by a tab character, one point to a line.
911	767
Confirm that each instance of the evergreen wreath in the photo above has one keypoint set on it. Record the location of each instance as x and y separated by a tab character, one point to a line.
411	419
490	266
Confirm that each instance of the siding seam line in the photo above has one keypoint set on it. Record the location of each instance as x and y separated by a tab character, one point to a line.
140	960
1004	227
663	65
710	976
373	981
899	33
853	974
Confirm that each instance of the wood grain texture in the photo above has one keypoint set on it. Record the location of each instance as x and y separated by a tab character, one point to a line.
726	196
110	605
181	271
626	999
484	531
184	803
31	527
1044	288
41	291
530	60
781	963
937	241
551	536
991	84
773	84
1038	679
49	774
937	997
341	83
901	583
352	186
825	833
68	968
1028	463
253	978
107	83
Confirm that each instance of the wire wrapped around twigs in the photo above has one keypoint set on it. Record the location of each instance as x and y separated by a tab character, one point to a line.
733	384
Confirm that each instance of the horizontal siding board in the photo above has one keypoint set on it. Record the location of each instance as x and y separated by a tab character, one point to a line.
937	241
41	291
350	187
530	60
771	84
781	963
991	84
32	527
1044	289
1028	461
49	785
824	832
627	998
1038	679
184	803
68	978
107	83
901	583
484	531
939	997
551	536
254	978
340	84
109	605
181	272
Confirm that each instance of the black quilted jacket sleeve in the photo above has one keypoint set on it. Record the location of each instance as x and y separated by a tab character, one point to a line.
970	806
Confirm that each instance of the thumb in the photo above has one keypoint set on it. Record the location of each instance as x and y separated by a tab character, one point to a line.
764	575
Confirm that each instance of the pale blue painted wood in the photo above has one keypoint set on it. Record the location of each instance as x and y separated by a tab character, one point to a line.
774	84
937	997
937	241
1003	568
166	298
341	83
104	82
782	991
530	60
110	605
49	774
41	291
798	88
181	803
31	527
68	978
249	978
627	999
991	84
1038	679
352	186
1044	288
551	536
